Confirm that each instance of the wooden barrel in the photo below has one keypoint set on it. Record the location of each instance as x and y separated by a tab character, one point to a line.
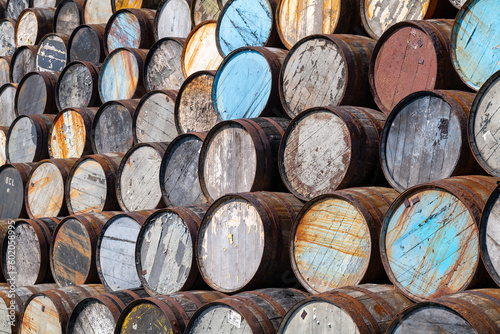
163	314
204	10
179	181
27	260
163	65
7	102
297	19
194	107
329	148
130	28
13	179
246	84
117	84
87	44
200	50
68	16
112	129
367	308
77	86
165	252
33	24
457	3
44	195
91	184
13	8
69	135
36	94
430	237
243	241
173	19
154	117
7	37
73	248
488	235
27	139
409	57
97	11
3	144
407	156
473	311
123	4
22	62
44	3
326	70
52	53
241	156
259	311
116	250
49	311
104	308
138	186
4	70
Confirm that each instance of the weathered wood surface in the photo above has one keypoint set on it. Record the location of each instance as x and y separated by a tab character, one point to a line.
44	3
33	24
14	7
489	236
138	187
425	139
69	135
52	53
314	73
23	62
91	184
173	19
200	50
13	178
367	308
7	101
27	139
321	152
179	180
68	16
49	311
130	28
5	70
116	251
36	94
87	44
246	84
241	156
204	10
165	251
239	248
410	57
73	248
112	129
163	314
97	11
3	144
154	117
442	256
194	107
7	37
44	196
117	84
334	240
163	65
458	3
78	86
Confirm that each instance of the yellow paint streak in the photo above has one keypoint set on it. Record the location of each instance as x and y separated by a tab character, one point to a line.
67	139
200	51
121	4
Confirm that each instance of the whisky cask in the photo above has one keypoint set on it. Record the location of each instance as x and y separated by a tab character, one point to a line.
36	94
3	144
163	65
13	8
33	24
7	37
7	103
87	44
22	62
13	179
68	16
204	10
173	19
123	4
78	86
130	28
97	11
52	53
488	235
5	70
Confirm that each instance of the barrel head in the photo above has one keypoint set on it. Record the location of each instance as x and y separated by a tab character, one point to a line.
91	309
87	44
200	51
77	86
7	37
12	185
97	11
68	16
23	62
4	70
173	19
24	141
41	315
154	117
52	53
163	66
7	102
204	10
45	191
88	188
68	135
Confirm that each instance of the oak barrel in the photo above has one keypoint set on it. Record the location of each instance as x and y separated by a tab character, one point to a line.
204	10
329	148
458	3
97	11
77	86
44	3
7	102
130	28
123	4
22	62
13	8
87	44
3	144
13	178
7	37
5	70
52	53
489	236
173	19
36	94
68	16
33	24
430	237
163	65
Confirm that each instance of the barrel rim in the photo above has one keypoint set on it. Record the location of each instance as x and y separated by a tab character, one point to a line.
14	58
159	11
30	299
63	37
192	33
40	15
49	78
39	150
98	30
79	5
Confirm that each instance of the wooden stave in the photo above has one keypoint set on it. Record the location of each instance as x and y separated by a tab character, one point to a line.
12	73
50	80
98	30
45	20
79	5
24	170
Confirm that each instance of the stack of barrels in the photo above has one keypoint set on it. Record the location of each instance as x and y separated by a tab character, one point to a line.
249	166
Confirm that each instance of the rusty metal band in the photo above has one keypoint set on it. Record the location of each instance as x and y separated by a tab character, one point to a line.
355	309
381	301
477	320
192	298
271	301
178	307
242	309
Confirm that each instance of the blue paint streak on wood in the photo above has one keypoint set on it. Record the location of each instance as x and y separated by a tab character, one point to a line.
476	41
245	23
242	86
125	32
117	76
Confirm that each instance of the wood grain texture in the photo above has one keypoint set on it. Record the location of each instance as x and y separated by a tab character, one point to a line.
97	12
241	156
326	70
52	53
7	101
163	65
3	145
154	117
458	3
44	3
200	50
4	70
77	86
15	7
138	186
489	235
91	184
33	24
194	107
204	10
36	94
13	178
173	19
87	44
23	62
425	139
112	129
179	181
441	257
7	37
68	16
366	308
130	28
